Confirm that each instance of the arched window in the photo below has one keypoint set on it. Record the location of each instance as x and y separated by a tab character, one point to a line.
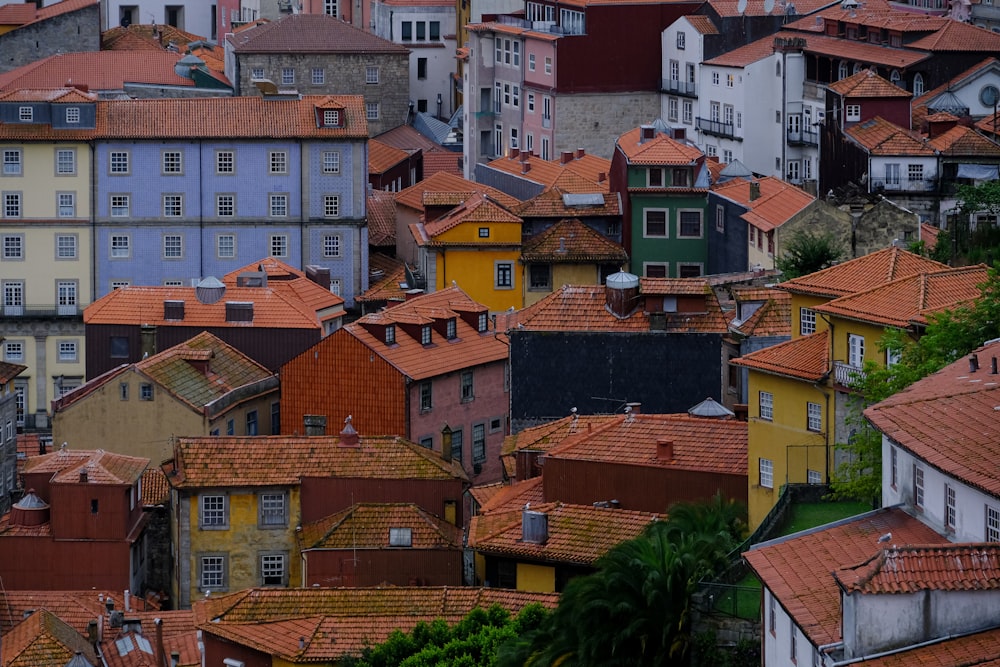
842	73
894	77
918	85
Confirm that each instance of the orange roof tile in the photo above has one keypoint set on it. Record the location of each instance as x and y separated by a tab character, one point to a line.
76	608
805	358
102	467
9	371
383	157
772	318
482	493
98	70
861	273
981	649
410	356
439	160
660	150
910	300
284	277
703	24
868	84
731	8
915	569
477	208
387	277
159	35
366	526
929	234
545	436
744	55
880	137
797	569
948	420
155	488
776	203
17	13
342	621
584	168
381	218
44	639
311	33
413	196
961	140
959	36
552	204
571	241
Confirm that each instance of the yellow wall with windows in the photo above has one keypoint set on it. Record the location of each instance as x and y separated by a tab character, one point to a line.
800	301
872	334
536	578
471	262
562	274
39	181
786	439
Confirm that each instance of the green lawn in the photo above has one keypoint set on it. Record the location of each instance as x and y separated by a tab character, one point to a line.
810	515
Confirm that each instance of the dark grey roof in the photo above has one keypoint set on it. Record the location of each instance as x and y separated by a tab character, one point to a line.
711	408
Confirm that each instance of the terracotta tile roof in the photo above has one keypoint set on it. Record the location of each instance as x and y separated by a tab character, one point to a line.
744	55
772	318
775	205
551	204
274	307
406	138
21	14
310	33
880	137
155	487
730	8
98	70
366	526
31	444
511	29
76	608
837	47
981	649
703	24
215	461
383	157
546	436
948	419
381	211
959	36
571	241
439	160
579	173
578	534
57	94
410	356
102	467
286	278
158	35
9	371
660	150
477	208
343	621
17	13
990	124
861	273
413	196
678	286
582	308
44	639
484	492
961	140
805	358
929	234
916	569
386	285
868	84
797	569
906	301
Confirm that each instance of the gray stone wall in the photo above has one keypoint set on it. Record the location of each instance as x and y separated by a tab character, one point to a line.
882	224
73	31
594	121
344	75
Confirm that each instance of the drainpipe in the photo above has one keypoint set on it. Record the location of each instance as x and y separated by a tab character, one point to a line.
831	424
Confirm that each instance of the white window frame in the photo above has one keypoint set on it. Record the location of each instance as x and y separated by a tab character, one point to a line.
225	162
766	404
288	76
66	246
172	162
65	162
855	350
121	246
918	487
13	247
277	205
66	204
273	566
272	509
992	531
225	205
950	507
331	206
13	205
214	566
120	205
814	417
225	246
173	205
173	246
13	162
807	321
371	110
67	351
318	76
277	162
766	470
332	246
331	162
371	74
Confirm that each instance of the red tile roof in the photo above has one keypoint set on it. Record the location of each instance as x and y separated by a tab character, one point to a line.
283	460
660	150
862	273
76	608
585	168
880	137
744	55
155	487
477	208
772	318
387	275
961	140
959	36
546	436
571	241
775	204
367	525
17	13
98	70
916	569
703	24
410	356
551	204
929	234
157	35
381	218
285	277
731	8
484	492
102	467
383	157
948	419
44	639
981	649
805	358
311	33
9	371
440	160
906	301
868	84
342	621
443	182
797	569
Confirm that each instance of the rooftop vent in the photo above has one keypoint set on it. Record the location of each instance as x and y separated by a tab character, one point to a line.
252	279
621	292
349	437
209	290
534	526
173	310
239	311
646	132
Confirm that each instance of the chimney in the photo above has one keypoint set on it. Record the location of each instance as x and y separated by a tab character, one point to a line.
83	475
349	437
525	156
446	443
566	156
562	245
147	337
128	600
601	177
158	649
314	424
636	407
514	153
973	363
525	167
665	450
92	631
754	190
646	132
580	153
534	526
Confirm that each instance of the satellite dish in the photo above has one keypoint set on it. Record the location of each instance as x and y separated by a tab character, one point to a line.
741	6
768	6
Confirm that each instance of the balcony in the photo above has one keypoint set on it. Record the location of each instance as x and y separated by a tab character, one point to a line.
678	87
717	128
903	185
485	115
847	375
40	311
802	138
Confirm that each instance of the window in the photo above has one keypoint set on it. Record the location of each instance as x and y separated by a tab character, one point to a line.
172	162
680	40
119	347
225	206
483	321
853	112
123	391
766	405
173	206
119	162
225	162
66	204
13	351
230	427
12	204
855	350
540	276
793	647
425	335
272	509
119	246
451	329
66	296
173	246
145	392
689	224
67	350
213	511
331	162
654	223
992	524
13	297
331	245
950	505
814	417
406	31
390	334
279	245
767	473
892	173
655	269
120	205
25	114
400	537
807	321
331	206
672	109
466	386
814	477
278	206
720	218
278	161
918	85
457	445
531	62
65	162
715	78
252	422
893	467
371	73
12	162
257	73
331	7
918	486
225	245
213	573
484	232
426	394
421	31
548	64
331	117
318	76
287	76
13	246
730	80
915	172
371	110
478	443
688	111
504	275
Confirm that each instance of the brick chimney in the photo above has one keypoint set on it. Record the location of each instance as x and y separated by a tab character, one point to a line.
565	157
349	437
580	153
754	190
514	153
665	450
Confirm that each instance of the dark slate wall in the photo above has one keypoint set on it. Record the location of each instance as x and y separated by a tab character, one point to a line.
727	249
553	372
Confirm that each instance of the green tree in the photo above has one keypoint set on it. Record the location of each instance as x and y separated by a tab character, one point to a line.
806	252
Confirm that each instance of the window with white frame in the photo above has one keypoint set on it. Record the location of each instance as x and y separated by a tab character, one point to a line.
118	162
213	511
992	524
278	162
278	205
279	245
672	108
13	246
118	284
766	405
371	110
12	204
335	286
331	206
915	172
65	161
331	245
855	350
853	112
371	74
466	386
25	114
287	76
257	73
13	351
226	246
273	509
225	205
767	473
120	206
12	164
173	206
571	22
272	569
892	173
400	537
814	477
66	204
173	246
13	296
654	223
814	417
66	294
715	78
225	162
807	321
331	117
730	80
681	40
213	573
918	486
689	224
318	76
331	7
950	507
688	111
66	246
172	162
120	246
331	162
531	62
548	64
67	351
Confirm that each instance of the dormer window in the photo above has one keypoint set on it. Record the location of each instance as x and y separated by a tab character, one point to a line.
451	329
425	334
73	114
25	114
331	118
400	537
482	322
390	334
